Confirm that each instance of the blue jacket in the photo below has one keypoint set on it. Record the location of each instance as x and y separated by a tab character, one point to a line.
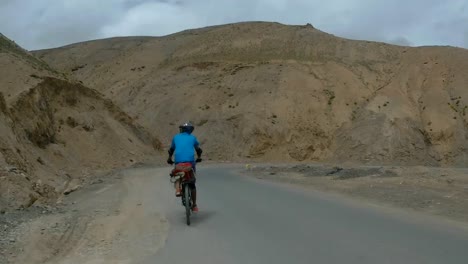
184	145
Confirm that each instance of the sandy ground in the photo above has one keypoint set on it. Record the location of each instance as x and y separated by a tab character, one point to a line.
438	191
114	220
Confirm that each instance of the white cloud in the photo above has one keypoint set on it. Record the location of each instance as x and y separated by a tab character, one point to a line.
153	18
38	24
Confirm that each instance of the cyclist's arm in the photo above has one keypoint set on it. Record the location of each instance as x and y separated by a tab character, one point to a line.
199	151
171	149
197	148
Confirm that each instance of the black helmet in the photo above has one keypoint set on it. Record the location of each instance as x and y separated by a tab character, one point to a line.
186	127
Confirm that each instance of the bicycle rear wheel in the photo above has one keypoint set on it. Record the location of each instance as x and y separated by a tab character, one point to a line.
188	204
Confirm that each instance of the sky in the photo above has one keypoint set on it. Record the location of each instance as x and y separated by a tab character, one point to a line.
39	24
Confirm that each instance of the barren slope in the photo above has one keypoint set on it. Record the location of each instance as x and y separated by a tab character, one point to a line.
275	92
54	134
19	70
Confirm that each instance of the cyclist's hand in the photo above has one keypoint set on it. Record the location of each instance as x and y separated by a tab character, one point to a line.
199	160
169	161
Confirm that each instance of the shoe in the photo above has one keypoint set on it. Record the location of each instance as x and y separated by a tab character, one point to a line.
195	209
178	193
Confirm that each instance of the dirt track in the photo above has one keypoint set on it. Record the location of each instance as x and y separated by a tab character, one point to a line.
112	221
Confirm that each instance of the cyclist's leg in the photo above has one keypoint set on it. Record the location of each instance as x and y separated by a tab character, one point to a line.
193	189
194	166
177	186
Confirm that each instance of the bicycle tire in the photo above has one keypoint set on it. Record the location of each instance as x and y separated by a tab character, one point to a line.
188	208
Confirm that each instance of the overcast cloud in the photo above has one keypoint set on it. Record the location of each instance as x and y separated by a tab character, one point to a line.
37	24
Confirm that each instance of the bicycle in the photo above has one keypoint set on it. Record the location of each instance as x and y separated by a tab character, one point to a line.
184	173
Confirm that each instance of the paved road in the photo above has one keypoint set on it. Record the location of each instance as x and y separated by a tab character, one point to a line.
249	221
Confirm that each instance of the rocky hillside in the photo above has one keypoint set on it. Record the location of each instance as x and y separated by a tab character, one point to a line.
55	134
20	70
288	93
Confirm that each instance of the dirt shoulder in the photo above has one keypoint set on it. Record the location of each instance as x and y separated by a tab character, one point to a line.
114	220
438	191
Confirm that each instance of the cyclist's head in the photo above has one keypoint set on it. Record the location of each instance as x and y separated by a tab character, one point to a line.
186	127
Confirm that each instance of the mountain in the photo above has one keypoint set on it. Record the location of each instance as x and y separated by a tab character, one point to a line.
271	92
55	134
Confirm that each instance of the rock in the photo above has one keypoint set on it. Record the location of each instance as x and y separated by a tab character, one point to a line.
73	185
40	160
12	169
335	170
71	189
97	181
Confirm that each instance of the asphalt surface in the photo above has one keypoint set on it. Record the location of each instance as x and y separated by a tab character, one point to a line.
242	220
